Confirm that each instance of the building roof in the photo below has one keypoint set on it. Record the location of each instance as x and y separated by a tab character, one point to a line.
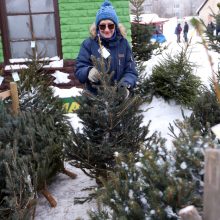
149	19
201	6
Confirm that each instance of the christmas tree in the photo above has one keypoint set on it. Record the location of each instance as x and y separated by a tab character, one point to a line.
141	34
206	105
111	123
40	131
17	174
206	110
173	79
36	95
156	183
142	46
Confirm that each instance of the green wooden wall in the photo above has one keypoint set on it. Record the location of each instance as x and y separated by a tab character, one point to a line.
1	51
76	16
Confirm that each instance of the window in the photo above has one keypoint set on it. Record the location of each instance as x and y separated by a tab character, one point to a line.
176	5
26	23
177	14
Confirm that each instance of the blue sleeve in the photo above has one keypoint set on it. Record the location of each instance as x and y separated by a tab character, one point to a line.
130	72
83	62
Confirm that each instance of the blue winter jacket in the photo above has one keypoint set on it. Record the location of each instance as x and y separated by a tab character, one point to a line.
122	62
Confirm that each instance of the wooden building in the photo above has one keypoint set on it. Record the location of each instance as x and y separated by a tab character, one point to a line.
207	8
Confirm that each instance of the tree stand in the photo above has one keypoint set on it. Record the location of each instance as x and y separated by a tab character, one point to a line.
49	197
69	173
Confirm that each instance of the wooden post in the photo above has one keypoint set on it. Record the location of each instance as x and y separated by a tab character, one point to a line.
189	213
14	97
49	197
69	173
212	185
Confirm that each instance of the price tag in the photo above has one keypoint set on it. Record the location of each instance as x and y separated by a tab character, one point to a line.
33	44
104	52
15	76
1	79
216	130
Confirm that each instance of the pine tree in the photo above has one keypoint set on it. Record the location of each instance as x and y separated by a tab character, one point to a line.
36	136
18	177
141	34
206	111
156	183
40	131
141	45
111	123
206	108
173	78
36	95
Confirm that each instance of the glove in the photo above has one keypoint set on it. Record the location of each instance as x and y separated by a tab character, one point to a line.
94	75
126	91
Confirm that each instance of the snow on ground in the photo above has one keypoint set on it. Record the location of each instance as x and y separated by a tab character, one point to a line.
64	190
160	113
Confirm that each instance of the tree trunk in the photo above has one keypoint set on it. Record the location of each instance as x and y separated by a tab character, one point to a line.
69	173
49	197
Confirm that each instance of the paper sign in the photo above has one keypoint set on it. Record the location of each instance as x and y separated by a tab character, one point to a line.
216	130
104	52
1	79
15	76
33	44
70	104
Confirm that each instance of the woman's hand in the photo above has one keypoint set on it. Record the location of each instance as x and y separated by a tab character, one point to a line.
94	75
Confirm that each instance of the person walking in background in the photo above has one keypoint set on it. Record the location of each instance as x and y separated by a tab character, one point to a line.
185	31
112	36
178	32
217	20
211	28
217	24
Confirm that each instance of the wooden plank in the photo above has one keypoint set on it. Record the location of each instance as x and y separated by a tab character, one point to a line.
14	97
4	95
212	185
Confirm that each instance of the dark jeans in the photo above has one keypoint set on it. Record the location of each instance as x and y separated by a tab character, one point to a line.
178	38
185	36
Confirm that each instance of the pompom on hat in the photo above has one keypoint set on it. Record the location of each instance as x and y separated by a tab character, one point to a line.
105	12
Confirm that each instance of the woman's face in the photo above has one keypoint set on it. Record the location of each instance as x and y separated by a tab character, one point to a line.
106	28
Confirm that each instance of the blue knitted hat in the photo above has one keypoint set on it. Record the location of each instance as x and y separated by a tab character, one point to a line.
106	11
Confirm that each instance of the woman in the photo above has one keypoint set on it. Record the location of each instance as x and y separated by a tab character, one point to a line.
112	36
178	32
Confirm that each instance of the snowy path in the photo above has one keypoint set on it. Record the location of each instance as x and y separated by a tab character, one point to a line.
64	189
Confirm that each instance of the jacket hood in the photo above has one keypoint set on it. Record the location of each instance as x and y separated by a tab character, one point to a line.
93	29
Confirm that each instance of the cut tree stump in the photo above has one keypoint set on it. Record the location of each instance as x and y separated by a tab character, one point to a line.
69	173
189	213
49	197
